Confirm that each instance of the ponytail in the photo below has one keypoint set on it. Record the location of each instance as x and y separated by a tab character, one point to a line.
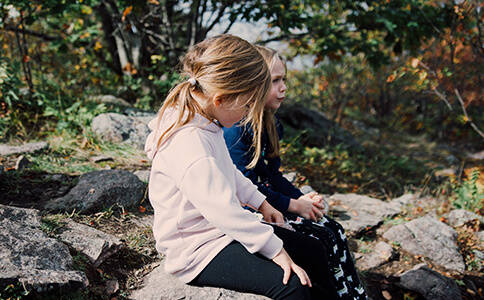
180	97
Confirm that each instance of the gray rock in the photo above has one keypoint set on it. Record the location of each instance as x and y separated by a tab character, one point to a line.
98	190
291	176
146	221
379	255
95	244
109	99
404	200
112	286
145	119
480	236
25	148
319	131
136	112
430	284
476	156
428	237
28	256
143	175
119	128
22	163
458	217
160	285
306	189
359	213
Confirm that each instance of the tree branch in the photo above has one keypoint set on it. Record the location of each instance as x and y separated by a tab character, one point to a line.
41	35
221	12
283	37
465	113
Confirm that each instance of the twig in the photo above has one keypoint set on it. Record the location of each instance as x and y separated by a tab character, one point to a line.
465	113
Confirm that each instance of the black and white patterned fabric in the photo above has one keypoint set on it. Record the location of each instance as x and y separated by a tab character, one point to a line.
332	234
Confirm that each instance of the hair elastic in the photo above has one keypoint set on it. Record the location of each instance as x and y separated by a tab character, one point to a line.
192	81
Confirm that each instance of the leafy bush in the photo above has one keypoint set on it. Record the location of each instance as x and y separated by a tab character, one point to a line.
376	171
468	195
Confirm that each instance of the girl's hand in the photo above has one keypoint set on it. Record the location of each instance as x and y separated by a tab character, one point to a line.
285	262
319	202
306	208
271	215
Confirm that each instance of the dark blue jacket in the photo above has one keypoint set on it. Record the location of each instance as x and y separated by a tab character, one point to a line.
265	174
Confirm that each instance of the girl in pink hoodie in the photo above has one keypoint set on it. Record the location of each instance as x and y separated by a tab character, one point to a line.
197	193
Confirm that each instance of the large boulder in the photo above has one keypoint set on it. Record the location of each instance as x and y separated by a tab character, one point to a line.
318	130
428	237
98	190
358	213
119	128
29	257
430	284
159	285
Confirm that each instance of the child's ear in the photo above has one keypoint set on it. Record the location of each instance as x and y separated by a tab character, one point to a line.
218	99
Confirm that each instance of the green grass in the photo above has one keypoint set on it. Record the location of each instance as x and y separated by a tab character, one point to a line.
70	154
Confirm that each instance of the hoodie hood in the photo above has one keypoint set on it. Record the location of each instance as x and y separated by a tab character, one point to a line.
159	126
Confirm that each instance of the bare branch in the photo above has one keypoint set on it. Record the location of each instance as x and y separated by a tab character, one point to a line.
443	98
221	12
283	37
41	35
465	113
230	25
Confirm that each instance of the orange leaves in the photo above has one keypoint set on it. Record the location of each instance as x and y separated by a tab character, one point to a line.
391	78
153	2
126	12
130	69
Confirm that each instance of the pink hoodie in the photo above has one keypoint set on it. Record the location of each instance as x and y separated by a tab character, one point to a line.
197	193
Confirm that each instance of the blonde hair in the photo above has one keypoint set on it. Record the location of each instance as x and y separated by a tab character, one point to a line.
269	121
226	65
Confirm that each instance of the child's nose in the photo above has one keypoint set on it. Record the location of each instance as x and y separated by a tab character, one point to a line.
283	87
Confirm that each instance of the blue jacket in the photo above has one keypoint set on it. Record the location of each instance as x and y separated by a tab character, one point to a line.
265	174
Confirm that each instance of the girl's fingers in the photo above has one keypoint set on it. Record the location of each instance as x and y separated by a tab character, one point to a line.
287	273
318	205
278	218
317	212
303	276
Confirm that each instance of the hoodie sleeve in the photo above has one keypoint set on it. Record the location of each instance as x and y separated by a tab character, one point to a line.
207	189
247	191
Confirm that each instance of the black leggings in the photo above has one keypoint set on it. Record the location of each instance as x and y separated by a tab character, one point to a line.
236	269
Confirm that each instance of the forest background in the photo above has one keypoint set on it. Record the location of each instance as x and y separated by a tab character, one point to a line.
403	76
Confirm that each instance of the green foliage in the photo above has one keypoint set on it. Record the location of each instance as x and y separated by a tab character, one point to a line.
13	292
51	224
467	194
10	96
376	171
